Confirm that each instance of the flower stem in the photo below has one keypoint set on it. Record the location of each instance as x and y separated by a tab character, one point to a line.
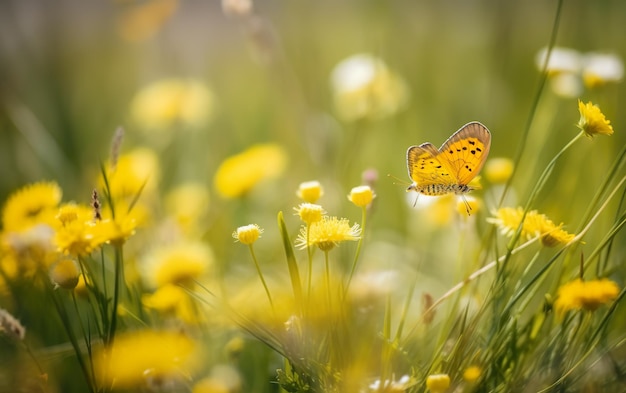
118	279
358	249
258	269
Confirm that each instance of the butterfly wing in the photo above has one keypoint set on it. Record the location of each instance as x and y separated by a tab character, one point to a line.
425	167
465	152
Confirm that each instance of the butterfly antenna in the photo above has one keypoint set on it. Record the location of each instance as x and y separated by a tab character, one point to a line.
398	180
417	195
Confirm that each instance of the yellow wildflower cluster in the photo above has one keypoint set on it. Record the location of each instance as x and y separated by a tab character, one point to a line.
508	219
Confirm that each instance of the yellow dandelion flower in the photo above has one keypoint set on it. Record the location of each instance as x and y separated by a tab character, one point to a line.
310	191
592	120
585	295
328	233
309	212
167	103
76	230
187	204
238	174
535	225
65	273
178	264
498	170
365	88
248	234
471	374
361	196
30	205
135	354
438	383
135	172
117	230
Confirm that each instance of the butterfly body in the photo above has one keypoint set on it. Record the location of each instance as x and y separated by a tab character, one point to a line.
449	169
440	189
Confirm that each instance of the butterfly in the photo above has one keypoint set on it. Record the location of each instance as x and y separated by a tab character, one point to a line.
452	167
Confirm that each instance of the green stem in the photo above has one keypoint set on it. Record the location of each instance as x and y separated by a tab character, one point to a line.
118	278
535	191
358	249
258	269
327	276
309	250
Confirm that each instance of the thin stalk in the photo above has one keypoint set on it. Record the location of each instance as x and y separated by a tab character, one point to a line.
358	249
118	278
258	269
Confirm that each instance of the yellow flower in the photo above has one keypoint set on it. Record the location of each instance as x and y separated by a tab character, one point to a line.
365	88
178	264
238	174
438	383
361	196
76	230
310	213
498	170
592	120
472	373
65	273
535	225
117	230
135	355
328	233
248	234
310	191
188	203
585	295
136	172
30	205
168	103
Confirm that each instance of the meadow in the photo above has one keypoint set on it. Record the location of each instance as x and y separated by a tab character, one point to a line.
211	196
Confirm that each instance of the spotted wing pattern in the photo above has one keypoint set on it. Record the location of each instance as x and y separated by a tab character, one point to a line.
457	162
